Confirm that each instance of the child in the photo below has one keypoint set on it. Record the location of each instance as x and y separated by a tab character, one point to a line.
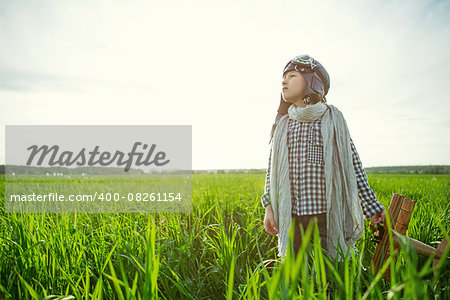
314	169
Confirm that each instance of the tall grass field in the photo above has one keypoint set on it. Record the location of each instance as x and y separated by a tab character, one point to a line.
218	251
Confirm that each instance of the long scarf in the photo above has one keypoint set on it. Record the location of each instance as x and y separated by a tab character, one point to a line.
344	215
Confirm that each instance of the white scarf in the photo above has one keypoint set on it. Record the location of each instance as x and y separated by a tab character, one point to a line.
344	215
308	113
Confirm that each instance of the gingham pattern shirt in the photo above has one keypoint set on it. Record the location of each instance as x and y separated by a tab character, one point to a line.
307	174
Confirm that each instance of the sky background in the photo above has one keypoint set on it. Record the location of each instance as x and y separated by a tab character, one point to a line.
217	65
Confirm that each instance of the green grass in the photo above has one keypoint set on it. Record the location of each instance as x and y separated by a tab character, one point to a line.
219	251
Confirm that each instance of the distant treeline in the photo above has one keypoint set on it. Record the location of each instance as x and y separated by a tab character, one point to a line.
66	171
229	171
432	169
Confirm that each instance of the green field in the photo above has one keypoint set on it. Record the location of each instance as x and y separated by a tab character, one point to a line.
219	251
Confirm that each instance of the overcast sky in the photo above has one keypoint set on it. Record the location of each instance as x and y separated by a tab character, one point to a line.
217	65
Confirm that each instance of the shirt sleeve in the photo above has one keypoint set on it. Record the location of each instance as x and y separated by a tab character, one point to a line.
369	203
265	199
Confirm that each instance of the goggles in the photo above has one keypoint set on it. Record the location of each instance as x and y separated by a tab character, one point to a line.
300	63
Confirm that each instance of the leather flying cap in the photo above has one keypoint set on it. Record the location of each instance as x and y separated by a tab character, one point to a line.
308	66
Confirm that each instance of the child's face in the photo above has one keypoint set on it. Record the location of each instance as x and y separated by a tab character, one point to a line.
293	87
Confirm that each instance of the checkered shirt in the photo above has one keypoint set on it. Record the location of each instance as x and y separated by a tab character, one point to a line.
307	175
